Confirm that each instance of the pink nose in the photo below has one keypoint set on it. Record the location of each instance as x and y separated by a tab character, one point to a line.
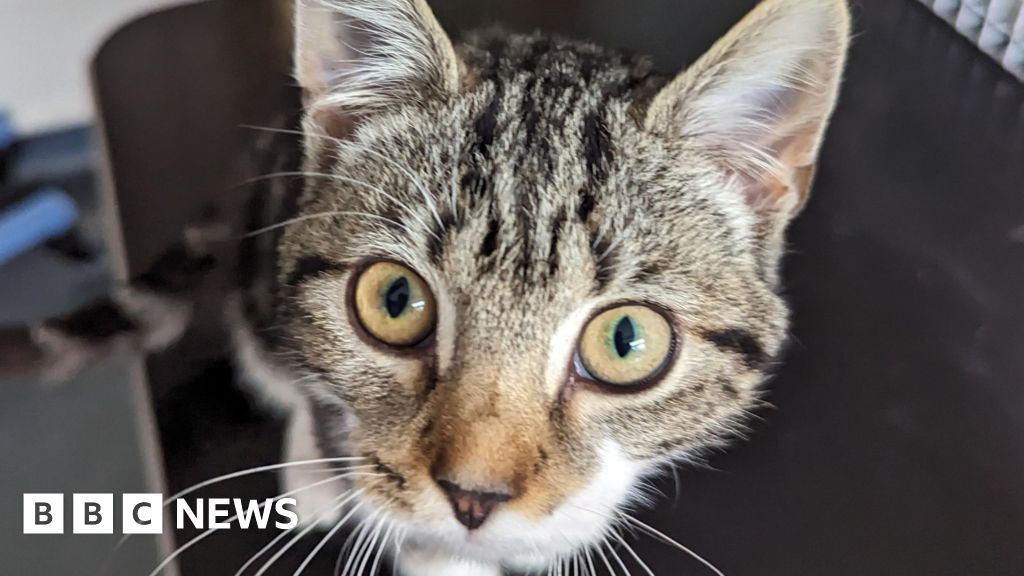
471	507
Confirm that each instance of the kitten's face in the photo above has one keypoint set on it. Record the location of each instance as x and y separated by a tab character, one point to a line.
527	287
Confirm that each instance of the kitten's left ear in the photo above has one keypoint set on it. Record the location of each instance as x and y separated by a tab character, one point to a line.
760	99
355	57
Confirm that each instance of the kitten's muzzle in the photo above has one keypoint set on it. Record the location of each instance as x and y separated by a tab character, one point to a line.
472	507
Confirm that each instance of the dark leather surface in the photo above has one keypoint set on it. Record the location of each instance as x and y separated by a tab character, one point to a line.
896	445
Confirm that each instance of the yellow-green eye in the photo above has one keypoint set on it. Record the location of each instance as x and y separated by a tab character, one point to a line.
626	346
394	304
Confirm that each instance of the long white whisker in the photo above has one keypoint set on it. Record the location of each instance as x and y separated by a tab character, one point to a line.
618	559
335	505
326	539
240	474
348	553
371	544
633	553
278	130
364	532
416	181
349	544
181	550
427	197
317	216
270	468
399	542
671	542
380	549
252	560
454	190
590	563
263	551
600	552
339	178
285	174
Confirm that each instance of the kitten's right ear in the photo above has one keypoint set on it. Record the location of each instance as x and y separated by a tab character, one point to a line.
760	99
355	57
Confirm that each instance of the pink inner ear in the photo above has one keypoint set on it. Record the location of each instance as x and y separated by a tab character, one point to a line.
785	193
337	124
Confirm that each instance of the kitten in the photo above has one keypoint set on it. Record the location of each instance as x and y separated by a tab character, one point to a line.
521	274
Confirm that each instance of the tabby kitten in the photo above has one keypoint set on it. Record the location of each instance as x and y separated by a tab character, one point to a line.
523	272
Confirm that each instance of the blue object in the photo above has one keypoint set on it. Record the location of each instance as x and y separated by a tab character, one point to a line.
6	132
44	215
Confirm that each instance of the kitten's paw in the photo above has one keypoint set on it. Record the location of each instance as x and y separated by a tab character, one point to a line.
416	561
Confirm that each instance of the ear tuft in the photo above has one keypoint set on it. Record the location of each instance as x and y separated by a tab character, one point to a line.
759	101
354	57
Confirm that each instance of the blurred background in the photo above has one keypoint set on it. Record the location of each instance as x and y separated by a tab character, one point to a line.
894	447
93	435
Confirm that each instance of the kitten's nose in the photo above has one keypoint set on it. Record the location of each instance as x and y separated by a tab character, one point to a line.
472	507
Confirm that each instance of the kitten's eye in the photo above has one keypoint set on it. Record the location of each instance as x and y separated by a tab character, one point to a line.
394	304
626	346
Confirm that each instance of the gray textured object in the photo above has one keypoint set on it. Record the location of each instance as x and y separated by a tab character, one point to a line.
996	26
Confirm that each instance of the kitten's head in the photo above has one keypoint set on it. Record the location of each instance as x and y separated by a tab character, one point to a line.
531	271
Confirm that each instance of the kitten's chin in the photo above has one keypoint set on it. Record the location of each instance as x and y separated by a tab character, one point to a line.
511	540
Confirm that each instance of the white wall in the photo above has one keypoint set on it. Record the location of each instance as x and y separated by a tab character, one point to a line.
45	48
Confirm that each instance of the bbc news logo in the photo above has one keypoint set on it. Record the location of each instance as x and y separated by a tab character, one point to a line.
144	514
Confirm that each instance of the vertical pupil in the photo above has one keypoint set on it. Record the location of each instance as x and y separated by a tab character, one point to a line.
625	334
397	297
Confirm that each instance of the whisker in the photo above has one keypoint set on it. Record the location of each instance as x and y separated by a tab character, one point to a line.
252	560
428	199
671	542
348	545
260	469
380	550
319	215
611	248
453	192
361	550
618	559
400	541
284	174
364	531
348	180
334	506
600	552
371	544
416	181
273	130
181	550
590	563
239	474
263	551
633	553
326	539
